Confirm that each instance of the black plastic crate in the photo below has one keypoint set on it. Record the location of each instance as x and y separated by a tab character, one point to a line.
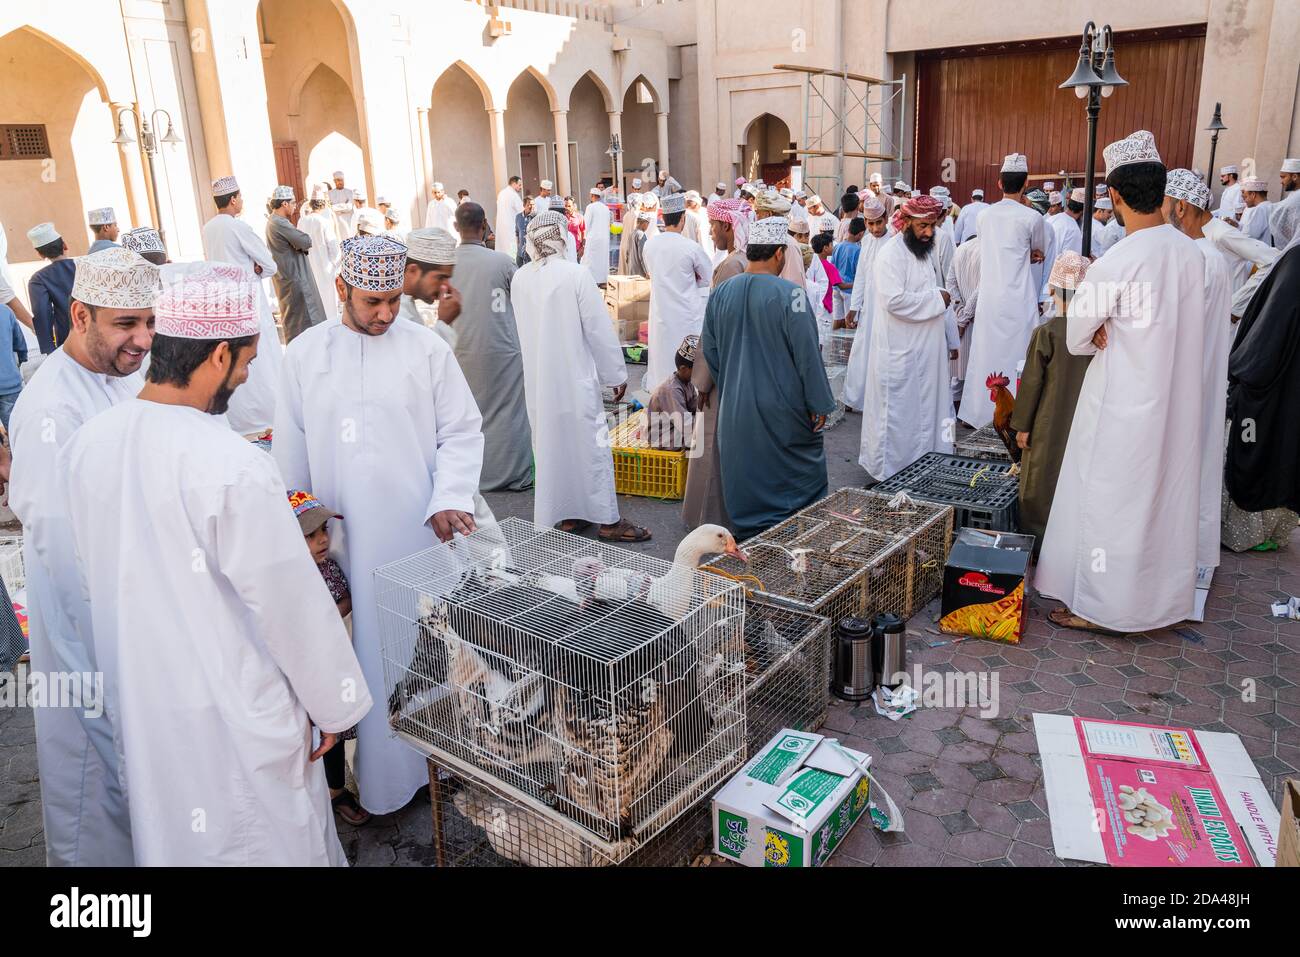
992	502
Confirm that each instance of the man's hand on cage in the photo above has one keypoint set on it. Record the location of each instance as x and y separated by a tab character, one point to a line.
450	521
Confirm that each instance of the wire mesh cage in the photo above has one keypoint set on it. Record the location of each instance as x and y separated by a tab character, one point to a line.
983	493
604	685
835	375
12	570
787	660
983	443
852	553
836	348
478	824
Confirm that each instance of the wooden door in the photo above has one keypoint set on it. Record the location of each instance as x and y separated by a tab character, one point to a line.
530	167
288	172
975	105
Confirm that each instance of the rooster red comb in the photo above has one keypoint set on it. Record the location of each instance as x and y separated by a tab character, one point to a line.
997	379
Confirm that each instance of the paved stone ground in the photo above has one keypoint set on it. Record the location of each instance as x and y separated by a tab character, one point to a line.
970	787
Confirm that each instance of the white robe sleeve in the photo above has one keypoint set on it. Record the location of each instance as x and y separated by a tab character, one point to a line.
257	250
1082	323
260	550
816	281
459	458
916	305
598	331
1038	239
1242	246
289	444
950	328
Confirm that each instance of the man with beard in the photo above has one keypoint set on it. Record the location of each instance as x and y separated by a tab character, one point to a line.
1012	241
219	643
907	409
1284	218
375	418
97	367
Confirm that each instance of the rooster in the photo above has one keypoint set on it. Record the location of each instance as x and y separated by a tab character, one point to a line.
1003	405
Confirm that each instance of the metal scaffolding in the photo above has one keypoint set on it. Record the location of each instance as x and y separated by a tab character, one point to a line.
849	118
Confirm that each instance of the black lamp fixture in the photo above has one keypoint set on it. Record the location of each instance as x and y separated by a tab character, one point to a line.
1094	77
1216	124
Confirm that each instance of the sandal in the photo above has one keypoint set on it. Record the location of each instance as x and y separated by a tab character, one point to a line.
572	526
1063	618
624	531
346	807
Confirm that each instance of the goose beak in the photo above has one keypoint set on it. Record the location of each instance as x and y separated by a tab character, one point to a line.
734	551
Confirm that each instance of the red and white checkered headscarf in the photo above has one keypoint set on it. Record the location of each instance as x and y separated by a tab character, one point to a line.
917	207
735	212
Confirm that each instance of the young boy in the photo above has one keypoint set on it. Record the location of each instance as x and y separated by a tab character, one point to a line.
672	407
313	519
1049	391
12	356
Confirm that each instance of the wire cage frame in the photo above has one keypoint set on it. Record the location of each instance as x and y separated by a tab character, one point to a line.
835	375
12	570
787	660
604	688
837	347
854	553
476	823
983	443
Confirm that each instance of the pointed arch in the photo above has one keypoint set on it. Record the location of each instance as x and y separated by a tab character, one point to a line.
551	97
606	95
72	54
655	99
484	90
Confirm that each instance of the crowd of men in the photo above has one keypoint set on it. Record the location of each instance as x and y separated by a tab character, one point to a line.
159	448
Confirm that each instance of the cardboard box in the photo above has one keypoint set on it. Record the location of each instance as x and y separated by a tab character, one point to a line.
1288	839
791	805
984	585
628	300
1214	811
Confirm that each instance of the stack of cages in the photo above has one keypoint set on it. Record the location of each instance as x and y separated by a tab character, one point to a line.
598	692
983	443
855	553
983	493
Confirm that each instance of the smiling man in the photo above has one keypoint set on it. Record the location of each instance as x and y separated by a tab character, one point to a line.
375	417
112	317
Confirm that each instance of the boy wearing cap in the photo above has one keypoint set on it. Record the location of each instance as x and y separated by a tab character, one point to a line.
50	288
1049	391
313	518
103	227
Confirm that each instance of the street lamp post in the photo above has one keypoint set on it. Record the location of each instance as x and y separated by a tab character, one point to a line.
615	152
1094	77
1216	124
149	144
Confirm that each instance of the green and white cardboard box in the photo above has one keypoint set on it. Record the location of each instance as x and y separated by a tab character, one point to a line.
791	805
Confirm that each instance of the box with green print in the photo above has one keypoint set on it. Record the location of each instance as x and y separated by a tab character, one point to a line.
792	804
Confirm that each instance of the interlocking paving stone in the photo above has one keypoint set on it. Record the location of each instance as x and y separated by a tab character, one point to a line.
1079	680
1130	671
959	823
1007	725
923	782
986	771
1026	810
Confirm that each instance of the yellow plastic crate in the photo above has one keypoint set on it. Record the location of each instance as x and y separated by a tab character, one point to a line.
641	470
